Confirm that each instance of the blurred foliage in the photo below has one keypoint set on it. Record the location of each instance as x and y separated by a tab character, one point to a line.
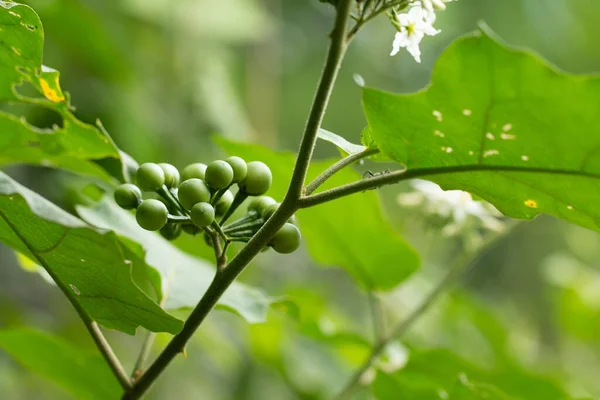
165	76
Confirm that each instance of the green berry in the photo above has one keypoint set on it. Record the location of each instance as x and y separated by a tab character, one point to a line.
207	238
239	166
150	177
268	211
171	175
219	174
171	231
152	215
128	196
193	191
260	204
224	203
203	214
287	239
190	229
258	179
196	170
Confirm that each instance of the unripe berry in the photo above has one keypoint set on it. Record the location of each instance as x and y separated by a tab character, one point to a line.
193	191
150	177
190	229
202	214
171	175
171	231
268	211
128	196
219	174
259	204
258	179
152	215
239	166
196	170
224	203
287	239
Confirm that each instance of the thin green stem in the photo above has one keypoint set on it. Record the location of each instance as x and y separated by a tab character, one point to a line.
241	234
376	315
215	225
458	267
242	227
105	349
172	200
344	162
179	219
253	216
138	369
374	14
337	50
237	201
218	195
403	175
228	273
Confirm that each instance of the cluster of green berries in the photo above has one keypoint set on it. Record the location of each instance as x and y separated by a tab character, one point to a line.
193	200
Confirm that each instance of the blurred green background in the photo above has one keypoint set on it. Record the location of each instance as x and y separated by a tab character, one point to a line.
165	76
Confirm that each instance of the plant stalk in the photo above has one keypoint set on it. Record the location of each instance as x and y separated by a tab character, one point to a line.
227	274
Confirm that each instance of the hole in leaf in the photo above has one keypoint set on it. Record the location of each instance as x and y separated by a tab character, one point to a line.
39	117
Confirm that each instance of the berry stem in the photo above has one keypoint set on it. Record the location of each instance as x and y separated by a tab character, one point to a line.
218	195
218	229
179	219
237	201
252	216
344	162
251	225
166	194
240	233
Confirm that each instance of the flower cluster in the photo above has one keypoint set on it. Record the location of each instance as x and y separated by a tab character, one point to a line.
455	210
413	25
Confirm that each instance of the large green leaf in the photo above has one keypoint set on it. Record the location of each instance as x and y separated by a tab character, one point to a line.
93	265
502	124
83	374
72	146
184	278
350	232
440	374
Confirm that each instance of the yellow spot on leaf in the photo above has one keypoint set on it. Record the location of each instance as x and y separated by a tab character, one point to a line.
531	203
27	263
52	94
15	50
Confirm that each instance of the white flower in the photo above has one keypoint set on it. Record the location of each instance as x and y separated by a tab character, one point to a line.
458	211
412	27
431	5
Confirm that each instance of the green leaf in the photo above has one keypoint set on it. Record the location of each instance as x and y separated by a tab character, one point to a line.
184	278
83	374
94	267
350	232
501	124
75	145
441	374
345	146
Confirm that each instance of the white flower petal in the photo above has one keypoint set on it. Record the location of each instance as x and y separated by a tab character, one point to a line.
413	49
